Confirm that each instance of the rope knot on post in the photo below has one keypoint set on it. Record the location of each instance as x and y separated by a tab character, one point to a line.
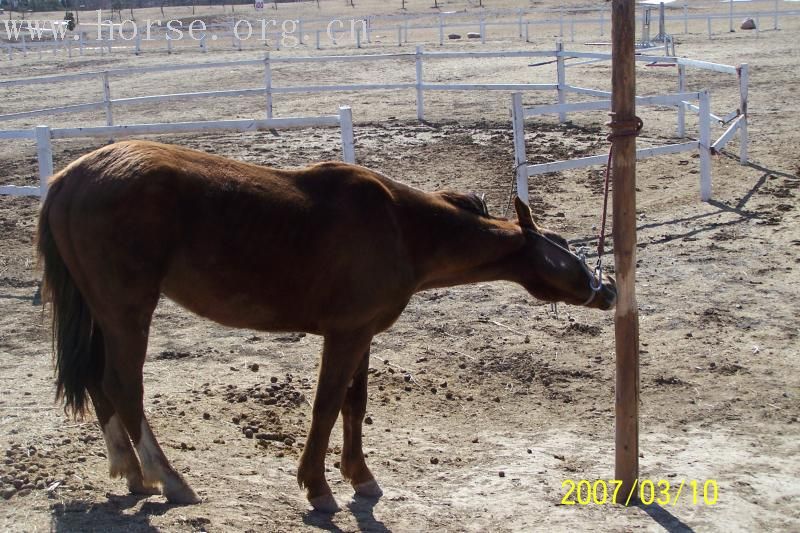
624	128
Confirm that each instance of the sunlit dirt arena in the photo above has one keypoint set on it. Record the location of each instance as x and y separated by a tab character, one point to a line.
483	403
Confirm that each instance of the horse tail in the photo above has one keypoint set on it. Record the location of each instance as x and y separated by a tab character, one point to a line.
77	339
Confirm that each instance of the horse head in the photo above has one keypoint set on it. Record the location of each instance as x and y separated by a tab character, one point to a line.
550	271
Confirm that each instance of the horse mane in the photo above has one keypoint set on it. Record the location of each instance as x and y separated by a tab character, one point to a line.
469	202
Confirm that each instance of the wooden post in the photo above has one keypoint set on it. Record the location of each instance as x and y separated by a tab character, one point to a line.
705	146
107	99
561	73
626	320
743	140
268	84
418	71
518	125
44	155
346	126
681	107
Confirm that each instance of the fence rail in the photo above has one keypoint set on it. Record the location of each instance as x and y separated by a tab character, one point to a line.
269	89
43	135
735	121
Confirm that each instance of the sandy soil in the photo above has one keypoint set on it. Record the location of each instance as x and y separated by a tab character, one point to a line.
505	400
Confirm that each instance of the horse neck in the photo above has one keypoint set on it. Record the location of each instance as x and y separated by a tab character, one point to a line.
455	247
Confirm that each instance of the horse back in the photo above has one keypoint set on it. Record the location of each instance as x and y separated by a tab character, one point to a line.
244	245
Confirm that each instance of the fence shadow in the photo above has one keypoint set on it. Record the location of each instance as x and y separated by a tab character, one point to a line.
739	209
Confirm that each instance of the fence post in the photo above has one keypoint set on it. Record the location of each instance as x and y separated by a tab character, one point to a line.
775	21
441	30
368	29
602	23
399	35
44	154
519	21
358	37
686	17
572	29
300	30
318	47
483	30
107	99
405	31
520	163
420	101
346	125
138	49
81	45
560	23
203	44
709	28
682	105
743	139
562	80
705	146
268	84
527	34
169	44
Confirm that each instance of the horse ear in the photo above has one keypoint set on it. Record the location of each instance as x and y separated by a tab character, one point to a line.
524	215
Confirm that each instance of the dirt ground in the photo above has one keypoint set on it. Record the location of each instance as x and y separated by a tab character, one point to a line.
482	401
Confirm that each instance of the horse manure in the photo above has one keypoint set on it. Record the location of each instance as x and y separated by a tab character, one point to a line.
253	367
501	474
206	416
475	440
449	395
368	420
273	379
434	461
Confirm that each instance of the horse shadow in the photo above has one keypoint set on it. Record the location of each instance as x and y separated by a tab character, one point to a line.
84	516
362	509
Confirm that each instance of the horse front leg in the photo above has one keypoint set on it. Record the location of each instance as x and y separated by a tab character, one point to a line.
341	355
354	467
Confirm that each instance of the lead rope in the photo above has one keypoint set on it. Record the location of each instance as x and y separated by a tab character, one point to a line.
619	128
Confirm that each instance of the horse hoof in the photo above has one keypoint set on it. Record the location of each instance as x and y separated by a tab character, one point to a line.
369	489
324	504
183	495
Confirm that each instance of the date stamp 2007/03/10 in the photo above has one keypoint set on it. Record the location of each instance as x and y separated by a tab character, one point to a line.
646	491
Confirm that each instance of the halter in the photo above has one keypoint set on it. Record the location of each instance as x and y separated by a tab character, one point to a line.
596	274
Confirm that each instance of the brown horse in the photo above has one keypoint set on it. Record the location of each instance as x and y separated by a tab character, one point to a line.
333	249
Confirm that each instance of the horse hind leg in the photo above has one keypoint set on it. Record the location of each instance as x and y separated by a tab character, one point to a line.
122	459
122	383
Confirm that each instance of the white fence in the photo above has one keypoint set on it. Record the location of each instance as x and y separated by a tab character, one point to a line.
736	122
269	89
43	135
